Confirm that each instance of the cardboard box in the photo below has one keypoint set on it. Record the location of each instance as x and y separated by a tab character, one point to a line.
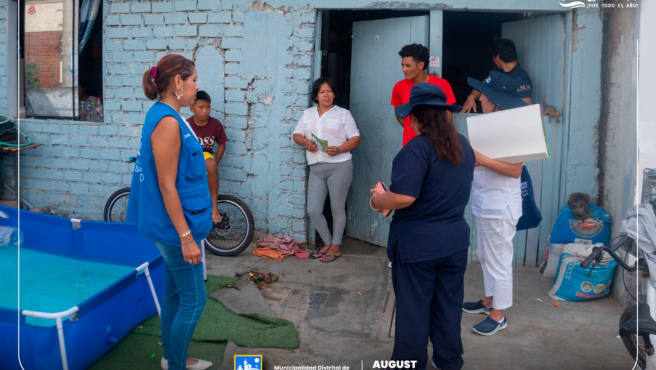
513	135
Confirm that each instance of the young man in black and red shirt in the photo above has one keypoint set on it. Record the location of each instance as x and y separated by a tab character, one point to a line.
209	130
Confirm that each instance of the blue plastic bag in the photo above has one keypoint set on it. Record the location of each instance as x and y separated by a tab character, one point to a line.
531	215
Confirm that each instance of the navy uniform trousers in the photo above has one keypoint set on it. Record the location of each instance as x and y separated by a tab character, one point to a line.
429	297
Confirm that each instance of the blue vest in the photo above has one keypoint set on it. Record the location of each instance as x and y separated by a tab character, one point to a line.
146	205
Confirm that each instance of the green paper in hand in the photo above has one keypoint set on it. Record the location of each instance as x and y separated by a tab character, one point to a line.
321	144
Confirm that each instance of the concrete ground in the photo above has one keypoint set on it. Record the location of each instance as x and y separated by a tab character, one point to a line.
344	310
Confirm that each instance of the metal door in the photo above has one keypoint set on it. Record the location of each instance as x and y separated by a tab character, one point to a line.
375	69
540	46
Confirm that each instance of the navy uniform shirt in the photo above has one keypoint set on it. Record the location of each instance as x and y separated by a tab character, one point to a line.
524	79
434	225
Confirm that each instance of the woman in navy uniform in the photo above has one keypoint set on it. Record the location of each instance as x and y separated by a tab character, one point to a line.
429	237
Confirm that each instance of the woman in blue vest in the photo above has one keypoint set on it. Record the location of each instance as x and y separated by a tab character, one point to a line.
170	201
497	205
429	236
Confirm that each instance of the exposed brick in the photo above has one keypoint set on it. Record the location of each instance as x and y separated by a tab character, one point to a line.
112	20
133	45
177	44
156	44
235	83
153	19
208	4
118	33
220	17
209	31
186	31
131	20
113	81
119	8
144	56
236	109
140	7
163	32
197	18
175	18
162	7
236	122
132	106
232	68
185	5
113	45
122	57
303	74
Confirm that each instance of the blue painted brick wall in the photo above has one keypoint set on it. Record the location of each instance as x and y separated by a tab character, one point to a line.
80	164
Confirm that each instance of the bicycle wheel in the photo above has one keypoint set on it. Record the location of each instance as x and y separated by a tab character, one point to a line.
633	341
116	208
238	231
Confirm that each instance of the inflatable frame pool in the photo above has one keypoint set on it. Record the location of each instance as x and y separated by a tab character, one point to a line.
92	327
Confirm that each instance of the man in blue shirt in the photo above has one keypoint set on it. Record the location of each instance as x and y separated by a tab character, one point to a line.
504	55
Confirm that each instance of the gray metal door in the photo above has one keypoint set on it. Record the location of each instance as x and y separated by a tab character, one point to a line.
540	46
375	69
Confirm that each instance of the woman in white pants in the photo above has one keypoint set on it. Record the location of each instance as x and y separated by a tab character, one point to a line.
497	205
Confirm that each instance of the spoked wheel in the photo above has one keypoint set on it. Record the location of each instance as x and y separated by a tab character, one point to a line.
116	208
632	340
237	231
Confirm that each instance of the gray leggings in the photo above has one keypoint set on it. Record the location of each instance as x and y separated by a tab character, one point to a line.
333	178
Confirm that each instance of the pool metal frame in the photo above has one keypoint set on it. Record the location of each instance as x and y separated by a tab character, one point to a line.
59	315
99	322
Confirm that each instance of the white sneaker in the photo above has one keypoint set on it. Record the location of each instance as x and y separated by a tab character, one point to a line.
200	365
390	265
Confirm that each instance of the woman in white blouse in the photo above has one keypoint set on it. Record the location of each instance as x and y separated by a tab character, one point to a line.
331	168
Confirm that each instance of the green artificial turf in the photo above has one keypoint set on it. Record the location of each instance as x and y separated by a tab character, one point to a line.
216	326
136	351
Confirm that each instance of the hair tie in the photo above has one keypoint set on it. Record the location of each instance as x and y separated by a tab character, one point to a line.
153	70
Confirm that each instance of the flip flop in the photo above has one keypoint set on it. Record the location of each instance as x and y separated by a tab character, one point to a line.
336	256
313	255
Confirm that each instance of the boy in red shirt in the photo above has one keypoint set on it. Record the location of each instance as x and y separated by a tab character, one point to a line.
414	59
209	131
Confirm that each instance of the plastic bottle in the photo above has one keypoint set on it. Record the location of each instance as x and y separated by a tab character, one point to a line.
82	111
87	109
93	112
100	116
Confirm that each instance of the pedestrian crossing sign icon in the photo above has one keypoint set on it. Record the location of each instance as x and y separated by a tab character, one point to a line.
248	362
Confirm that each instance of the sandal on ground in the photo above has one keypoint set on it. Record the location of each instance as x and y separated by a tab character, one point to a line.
316	255
335	256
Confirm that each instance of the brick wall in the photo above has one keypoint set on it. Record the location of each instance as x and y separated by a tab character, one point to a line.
4	91
45	49
245	55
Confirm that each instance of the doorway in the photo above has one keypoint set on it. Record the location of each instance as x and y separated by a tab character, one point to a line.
359	50
376	125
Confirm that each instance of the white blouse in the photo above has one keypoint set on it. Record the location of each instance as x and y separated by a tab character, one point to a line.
492	193
336	126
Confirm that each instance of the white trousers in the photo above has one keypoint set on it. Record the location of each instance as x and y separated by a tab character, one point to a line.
495	252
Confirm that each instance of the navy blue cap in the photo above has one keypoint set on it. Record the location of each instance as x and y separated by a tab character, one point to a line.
425	94
502	90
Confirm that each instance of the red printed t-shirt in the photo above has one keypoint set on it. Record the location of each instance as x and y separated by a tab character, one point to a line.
209	134
401	95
